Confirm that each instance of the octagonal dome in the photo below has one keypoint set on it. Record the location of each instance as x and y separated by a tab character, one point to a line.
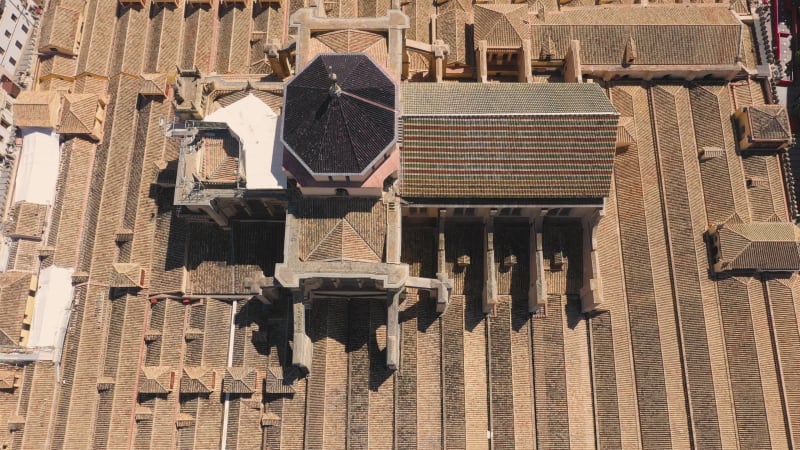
339	115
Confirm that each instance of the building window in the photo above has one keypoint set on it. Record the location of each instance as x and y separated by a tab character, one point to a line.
24	28
12	61
7	33
14	17
18	44
2	51
4	123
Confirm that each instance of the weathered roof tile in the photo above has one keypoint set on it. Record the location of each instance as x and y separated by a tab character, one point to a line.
38	109
515	140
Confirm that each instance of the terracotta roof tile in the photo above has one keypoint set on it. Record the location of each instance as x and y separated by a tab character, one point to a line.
28	220
451	27
695	36
198	380
156	380
14	290
220	158
60	31
239	380
8	378
758	246
58	66
501	25
444	99
154	84
82	114
513	140
351	41
769	122
276	382
341	229
128	275
37	109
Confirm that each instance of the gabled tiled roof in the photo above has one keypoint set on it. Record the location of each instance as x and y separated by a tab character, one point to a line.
28	220
275	382
663	35
343	243
58	67
198	380
769	122
14	290
8	378
350	41
341	229
156	380
759	246
37	109
60	28
79	114
220	158
625	133
127	275
451	27
501	25
239	380
154	84
514	140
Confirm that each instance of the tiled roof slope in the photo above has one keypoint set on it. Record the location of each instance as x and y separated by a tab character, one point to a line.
507	141
501	25
60	28
769	122
154	84
341	229
14	291
759	246
351	41
239	380
37	109
28	220
663	35
220	158
451	27
80	115
476	99
127	275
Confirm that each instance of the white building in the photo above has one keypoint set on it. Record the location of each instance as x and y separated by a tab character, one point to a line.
16	27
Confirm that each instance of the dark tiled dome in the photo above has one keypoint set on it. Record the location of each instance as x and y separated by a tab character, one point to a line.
339	114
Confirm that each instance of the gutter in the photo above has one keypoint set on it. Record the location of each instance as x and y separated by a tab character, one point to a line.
224	440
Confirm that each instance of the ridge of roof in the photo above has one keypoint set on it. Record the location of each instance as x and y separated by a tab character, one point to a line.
492	99
667	14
